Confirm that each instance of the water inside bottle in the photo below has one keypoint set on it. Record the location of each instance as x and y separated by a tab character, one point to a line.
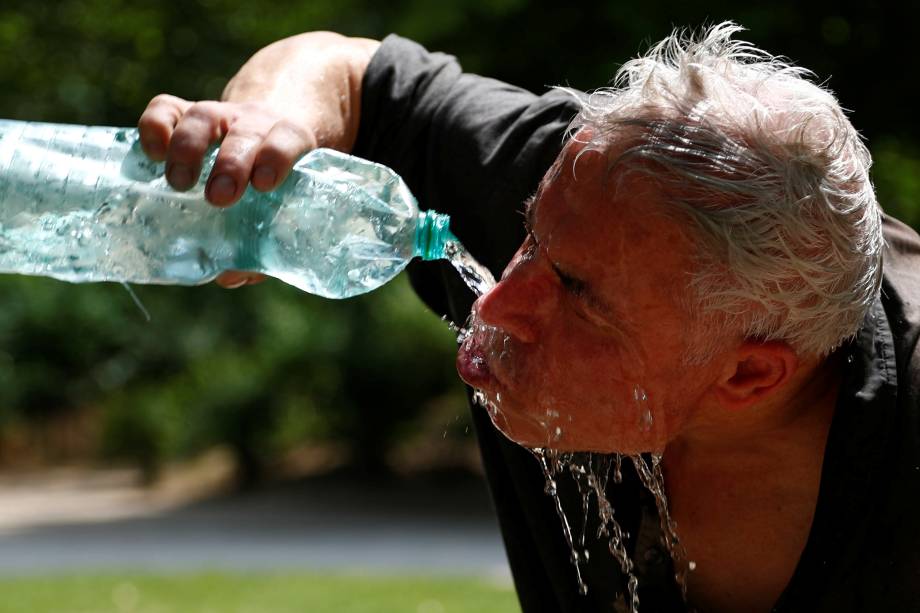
84	204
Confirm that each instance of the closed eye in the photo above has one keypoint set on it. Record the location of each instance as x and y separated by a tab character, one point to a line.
580	290
575	286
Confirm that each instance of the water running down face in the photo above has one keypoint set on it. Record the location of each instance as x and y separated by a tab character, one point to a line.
579	346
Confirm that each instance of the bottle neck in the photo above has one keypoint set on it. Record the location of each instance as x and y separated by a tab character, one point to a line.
432	234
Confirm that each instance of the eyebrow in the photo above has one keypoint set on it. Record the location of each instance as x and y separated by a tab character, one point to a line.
528	211
532	199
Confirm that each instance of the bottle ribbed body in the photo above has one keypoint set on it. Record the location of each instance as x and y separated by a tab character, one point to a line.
85	204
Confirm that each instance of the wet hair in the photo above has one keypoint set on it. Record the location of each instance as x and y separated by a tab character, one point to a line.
770	172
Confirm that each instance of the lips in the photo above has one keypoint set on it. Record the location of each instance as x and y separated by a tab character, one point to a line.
472	365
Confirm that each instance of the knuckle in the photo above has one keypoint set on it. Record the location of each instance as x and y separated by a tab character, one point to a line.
167	106
154	116
186	139
273	151
162	99
183	148
295	131
229	165
242	141
286	143
203	110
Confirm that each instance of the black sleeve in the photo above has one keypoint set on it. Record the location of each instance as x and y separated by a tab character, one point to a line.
468	146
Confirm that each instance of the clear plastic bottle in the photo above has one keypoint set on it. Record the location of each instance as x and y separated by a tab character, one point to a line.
85	204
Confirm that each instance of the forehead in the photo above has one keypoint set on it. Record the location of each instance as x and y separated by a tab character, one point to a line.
613	226
582	190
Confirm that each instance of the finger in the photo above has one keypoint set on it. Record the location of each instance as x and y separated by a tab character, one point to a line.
200	126
233	165
157	122
233	279
284	145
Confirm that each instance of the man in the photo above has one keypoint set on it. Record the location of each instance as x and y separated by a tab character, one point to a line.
699	278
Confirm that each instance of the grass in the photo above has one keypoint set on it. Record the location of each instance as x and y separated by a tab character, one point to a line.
220	592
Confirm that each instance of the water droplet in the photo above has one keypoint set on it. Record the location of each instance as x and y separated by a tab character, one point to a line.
639	394
646	421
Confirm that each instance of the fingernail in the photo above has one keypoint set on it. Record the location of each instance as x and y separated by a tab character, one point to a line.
237	284
223	187
180	176
264	176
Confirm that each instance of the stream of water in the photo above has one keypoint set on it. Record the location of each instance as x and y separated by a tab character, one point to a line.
476	276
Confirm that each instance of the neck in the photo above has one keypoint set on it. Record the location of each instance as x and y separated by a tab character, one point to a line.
743	490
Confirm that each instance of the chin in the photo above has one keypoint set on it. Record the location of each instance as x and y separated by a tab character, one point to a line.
564	434
523	430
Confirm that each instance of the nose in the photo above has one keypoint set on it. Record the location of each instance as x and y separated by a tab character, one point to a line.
521	303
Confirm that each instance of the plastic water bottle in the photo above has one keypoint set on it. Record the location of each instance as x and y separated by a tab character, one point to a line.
85	204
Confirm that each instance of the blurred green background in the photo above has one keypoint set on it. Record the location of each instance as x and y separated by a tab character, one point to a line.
266	371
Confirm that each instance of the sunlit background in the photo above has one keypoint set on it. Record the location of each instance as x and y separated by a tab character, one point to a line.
279	396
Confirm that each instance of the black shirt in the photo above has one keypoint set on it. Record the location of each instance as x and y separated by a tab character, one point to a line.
476	148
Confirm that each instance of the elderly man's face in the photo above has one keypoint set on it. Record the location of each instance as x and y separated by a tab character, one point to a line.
579	345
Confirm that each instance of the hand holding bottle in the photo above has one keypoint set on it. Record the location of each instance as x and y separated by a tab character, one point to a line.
295	95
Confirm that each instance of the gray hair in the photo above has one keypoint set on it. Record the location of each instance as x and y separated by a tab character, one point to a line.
771	171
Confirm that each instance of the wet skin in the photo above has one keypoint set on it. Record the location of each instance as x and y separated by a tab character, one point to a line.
588	316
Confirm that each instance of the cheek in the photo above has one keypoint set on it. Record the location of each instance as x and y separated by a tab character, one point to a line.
595	390
577	369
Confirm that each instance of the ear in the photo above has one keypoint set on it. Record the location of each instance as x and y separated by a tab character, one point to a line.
755	372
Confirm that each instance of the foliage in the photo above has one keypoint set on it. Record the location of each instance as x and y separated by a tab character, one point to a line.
266	368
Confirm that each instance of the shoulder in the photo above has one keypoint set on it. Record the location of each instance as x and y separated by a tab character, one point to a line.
901	292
